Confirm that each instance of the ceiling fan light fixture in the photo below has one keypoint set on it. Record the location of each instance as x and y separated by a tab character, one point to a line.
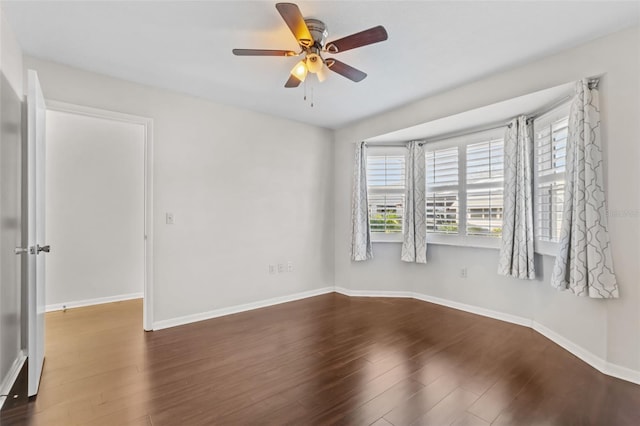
300	70
322	73
314	63
311	35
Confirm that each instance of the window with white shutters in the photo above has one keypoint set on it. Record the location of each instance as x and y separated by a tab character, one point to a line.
485	177
386	187
442	191
550	153
464	179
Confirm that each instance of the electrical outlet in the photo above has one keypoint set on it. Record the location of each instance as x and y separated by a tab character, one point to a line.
272	269
280	268
170	219
463	272
290	266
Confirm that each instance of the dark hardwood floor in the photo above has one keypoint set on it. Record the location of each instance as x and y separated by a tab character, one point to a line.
325	360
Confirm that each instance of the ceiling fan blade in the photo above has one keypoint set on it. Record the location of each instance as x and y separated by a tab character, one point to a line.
363	38
294	19
293	81
263	52
345	70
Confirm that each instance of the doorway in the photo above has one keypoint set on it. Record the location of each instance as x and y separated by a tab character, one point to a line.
98	208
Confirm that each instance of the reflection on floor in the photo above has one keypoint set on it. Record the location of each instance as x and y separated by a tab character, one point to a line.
329	359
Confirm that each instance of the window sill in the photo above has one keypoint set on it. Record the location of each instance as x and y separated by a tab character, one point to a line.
546	248
380	237
446	240
467	241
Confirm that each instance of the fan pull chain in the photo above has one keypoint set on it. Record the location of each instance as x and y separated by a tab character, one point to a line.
310	97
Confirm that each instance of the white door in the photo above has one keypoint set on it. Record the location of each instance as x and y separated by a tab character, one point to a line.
36	112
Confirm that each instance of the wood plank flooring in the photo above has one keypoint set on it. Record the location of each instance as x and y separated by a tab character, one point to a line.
329	359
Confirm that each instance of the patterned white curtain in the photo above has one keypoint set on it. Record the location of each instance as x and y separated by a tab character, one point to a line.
360	230
414	244
583	264
516	252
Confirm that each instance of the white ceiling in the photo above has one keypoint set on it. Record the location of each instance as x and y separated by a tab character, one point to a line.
186	46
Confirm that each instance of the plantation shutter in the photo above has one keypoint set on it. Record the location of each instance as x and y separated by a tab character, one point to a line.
551	153
386	187
485	174
442	203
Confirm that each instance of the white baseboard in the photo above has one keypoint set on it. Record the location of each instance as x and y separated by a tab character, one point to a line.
622	373
513	319
89	302
589	357
438	301
187	319
375	293
12	375
598	363
585	355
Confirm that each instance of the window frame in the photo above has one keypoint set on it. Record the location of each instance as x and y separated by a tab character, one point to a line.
450	188
560	112
461	239
373	150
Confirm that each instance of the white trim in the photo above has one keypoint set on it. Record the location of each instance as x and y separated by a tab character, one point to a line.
489	313
376	293
90	302
585	355
147	123
598	363
473	241
622	373
386	237
514	319
11	376
577	350
546	248
188	319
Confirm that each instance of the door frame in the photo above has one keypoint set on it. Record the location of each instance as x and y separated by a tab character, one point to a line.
147	123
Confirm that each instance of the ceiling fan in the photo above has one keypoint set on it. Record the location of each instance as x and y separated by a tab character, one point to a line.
311	35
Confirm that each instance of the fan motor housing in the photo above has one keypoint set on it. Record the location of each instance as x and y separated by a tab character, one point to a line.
318	31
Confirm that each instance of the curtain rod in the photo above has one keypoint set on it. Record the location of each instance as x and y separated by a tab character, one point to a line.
549	107
487	127
484	128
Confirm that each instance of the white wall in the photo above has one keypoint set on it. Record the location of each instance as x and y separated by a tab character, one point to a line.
10	204
10	56
609	330
247	190
94	208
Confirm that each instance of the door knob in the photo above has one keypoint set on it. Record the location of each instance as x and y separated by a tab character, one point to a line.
45	249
